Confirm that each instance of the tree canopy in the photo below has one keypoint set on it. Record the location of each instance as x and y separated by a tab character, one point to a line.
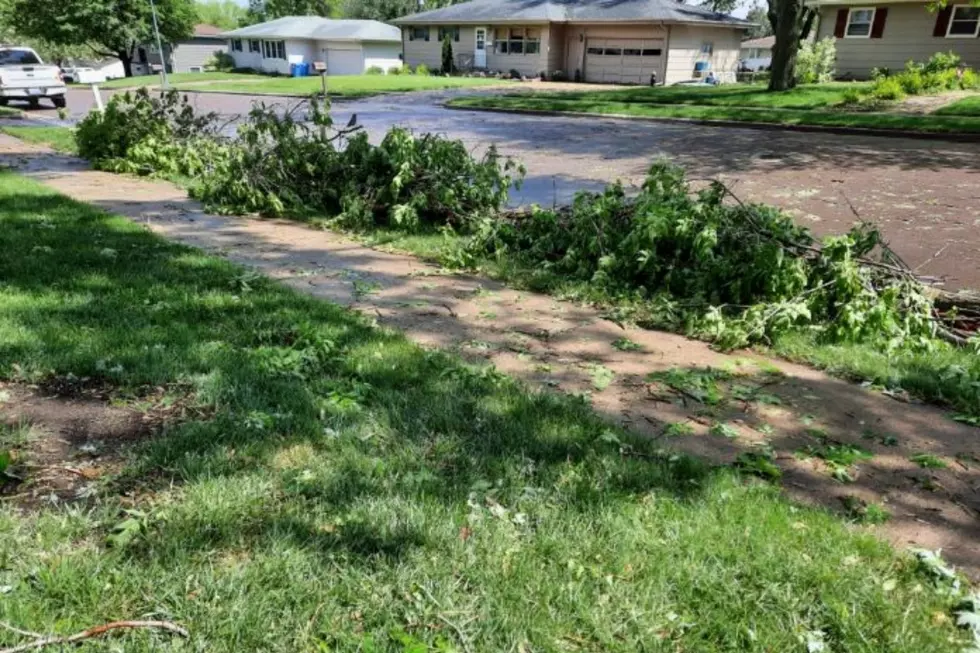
108	27
226	14
762	27
263	10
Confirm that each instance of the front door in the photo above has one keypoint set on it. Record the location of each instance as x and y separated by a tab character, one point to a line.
480	51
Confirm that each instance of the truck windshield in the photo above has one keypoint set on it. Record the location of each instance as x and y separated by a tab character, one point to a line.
18	58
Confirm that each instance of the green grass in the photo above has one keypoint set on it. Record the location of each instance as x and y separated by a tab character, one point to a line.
968	106
177	78
344	489
58	138
10	112
350	85
804	106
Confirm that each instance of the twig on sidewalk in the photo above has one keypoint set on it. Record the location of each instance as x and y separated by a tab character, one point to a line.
95	631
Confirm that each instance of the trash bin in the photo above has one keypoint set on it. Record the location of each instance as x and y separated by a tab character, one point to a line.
305	68
700	67
299	69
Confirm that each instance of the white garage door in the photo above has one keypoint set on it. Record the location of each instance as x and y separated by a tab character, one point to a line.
624	61
344	62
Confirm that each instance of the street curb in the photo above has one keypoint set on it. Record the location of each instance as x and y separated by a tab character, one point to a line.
956	137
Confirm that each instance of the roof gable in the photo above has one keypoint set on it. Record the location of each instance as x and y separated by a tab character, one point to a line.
318	28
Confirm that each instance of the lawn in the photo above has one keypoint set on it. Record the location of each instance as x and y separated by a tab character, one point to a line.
176	78
806	105
58	138
968	106
350	85
339	488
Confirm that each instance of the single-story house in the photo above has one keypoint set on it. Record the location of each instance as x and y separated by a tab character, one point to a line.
348	47
886	35
613	41
756	54
187	56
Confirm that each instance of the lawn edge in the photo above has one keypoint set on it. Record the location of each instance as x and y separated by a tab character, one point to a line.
956	137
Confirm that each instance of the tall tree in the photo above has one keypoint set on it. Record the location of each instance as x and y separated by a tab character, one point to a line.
791	22
226	14
758	15
263	10
722	6
383	10
112	28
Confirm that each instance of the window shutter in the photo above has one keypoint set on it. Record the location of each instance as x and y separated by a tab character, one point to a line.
426	33
841	25
878	26
942	21
411	33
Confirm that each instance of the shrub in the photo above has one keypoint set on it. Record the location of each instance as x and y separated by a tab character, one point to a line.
969	79
559	76
816	61
852	96
515	74
374	70
221	61
890	88
422	70
448	66
942	61
395	70
880	72
911	82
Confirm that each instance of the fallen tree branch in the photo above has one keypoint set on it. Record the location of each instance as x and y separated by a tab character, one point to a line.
96	631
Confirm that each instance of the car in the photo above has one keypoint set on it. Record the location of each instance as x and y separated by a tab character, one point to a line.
24	76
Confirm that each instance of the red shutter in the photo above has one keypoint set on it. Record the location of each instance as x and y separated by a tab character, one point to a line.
878	26
841	23
942	21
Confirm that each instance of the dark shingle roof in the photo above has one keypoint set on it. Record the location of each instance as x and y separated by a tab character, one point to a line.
561	11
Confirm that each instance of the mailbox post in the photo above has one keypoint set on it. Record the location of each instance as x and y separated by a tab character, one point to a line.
321	68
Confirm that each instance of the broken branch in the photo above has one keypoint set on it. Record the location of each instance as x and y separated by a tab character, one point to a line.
95	631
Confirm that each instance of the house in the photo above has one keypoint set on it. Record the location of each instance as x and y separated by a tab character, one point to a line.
613	41
348	47
187	56
887	35
756	54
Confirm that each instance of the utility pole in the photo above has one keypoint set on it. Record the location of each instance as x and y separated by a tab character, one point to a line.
163	57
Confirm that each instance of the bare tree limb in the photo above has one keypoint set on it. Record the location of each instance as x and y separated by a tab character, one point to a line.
95	631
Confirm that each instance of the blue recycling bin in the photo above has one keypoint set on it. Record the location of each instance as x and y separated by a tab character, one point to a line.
299	69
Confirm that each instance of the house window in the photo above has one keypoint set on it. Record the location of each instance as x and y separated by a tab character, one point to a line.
274	49
236	45
613	52
707	49
964	23
859	23
594	50
254	46
418	34
451	32
651	52
517	41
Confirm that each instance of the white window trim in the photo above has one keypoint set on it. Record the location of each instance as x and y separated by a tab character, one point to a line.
976	28
871	23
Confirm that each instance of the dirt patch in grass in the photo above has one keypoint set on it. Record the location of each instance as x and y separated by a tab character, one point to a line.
68	438
923	104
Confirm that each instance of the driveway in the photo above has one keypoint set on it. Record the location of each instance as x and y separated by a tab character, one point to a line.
924	195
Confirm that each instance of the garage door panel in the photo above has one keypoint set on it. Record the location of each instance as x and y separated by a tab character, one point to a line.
344	61
630	61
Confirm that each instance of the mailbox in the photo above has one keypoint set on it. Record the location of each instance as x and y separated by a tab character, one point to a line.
319	67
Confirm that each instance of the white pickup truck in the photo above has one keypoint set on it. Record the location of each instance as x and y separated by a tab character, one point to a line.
23	76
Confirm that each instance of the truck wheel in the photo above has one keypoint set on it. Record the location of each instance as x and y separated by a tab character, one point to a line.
59	101
34	103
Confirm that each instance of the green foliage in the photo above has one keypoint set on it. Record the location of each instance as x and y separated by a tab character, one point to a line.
942	62
147	134
928	461
403	69
759	16
816	61
220	61
226	14
374	70
889	89
283	164
448	65
728	272
625	344
940	73
421	70
112	25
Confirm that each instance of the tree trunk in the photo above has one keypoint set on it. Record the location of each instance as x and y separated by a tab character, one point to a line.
127	62
788	27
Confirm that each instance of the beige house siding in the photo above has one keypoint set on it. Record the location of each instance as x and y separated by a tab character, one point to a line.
196	52
907	36
529	65
684	50
430	52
